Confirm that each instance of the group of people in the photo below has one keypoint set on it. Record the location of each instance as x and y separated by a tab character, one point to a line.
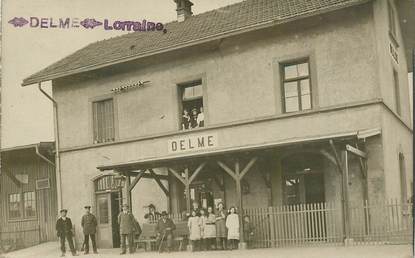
207	230
65	233
220	231
194	119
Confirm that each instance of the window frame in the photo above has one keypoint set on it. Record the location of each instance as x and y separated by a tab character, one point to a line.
19	207
181	86
298	80
93	119
24	204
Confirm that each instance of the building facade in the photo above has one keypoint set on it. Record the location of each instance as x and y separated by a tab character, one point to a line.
28	195
287	97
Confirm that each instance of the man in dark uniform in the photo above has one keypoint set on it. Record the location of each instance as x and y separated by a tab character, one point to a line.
64	231
128	227
164	229
89	225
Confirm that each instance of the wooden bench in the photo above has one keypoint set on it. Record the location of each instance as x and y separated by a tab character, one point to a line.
148	236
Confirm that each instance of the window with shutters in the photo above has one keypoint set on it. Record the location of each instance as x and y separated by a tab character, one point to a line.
103	116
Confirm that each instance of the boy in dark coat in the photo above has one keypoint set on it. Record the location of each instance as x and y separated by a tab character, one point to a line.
64	231
89	225
164	229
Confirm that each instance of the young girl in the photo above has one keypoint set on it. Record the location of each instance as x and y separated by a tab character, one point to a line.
194	229
209	230
203	219
185	120
232	224
221	227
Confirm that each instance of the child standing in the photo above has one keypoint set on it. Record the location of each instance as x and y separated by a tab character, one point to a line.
203	240
209	231
221	227
248	231
195	230
232	224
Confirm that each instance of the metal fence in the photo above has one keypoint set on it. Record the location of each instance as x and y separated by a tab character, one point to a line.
322	223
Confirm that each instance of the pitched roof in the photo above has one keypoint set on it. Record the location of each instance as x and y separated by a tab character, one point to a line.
229	20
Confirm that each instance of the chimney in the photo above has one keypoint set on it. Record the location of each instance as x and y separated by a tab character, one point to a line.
184	9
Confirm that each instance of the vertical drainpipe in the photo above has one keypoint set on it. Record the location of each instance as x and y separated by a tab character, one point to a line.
57	156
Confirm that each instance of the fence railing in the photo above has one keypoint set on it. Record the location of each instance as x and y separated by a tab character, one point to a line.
18	237
318	223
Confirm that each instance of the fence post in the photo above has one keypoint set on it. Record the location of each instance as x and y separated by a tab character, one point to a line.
272	226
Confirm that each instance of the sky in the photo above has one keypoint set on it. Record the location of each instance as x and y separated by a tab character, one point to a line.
27	116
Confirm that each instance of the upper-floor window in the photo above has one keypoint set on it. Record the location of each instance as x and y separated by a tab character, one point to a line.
14	206
296	86
103	116
392	19
191	104
29	204
396	92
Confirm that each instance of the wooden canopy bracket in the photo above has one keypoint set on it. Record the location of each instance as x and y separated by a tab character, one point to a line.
136	179
336	156
158	181
197	171
228	170
177	175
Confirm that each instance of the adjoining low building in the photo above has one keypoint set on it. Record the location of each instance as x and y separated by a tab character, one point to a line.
28	198
305	120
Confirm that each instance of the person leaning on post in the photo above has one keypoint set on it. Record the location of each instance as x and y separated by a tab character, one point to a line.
64	232
164	229
128	227
89	226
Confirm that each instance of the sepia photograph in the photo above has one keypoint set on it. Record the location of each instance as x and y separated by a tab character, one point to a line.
207	128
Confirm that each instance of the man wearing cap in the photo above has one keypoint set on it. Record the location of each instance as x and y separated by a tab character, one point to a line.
89	226
128	227
164	229
64	231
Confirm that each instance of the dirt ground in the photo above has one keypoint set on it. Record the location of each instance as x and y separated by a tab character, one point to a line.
51	250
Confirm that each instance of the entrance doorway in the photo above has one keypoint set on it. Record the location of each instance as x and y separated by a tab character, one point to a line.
108	206
303	179
202	193
303	183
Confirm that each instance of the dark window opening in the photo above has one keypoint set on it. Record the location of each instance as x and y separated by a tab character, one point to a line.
191	102
296	86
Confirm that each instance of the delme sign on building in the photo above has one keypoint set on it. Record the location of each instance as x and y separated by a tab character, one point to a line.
192	143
